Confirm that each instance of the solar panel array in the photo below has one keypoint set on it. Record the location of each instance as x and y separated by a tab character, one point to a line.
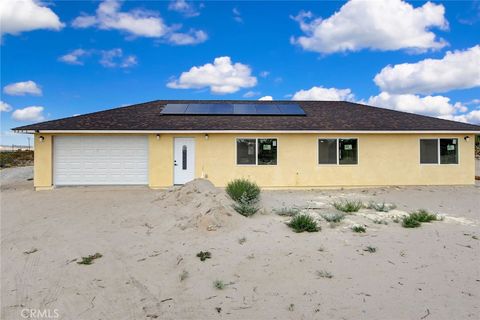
280	109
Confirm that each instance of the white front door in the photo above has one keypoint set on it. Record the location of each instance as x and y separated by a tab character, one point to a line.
183	160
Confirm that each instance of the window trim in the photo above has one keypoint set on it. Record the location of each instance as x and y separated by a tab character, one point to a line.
256	152
439	163
337	139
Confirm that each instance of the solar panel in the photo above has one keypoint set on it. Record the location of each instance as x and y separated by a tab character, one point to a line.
244	109
280	109
174	108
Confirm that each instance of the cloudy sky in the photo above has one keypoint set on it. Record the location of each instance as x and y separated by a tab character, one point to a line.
62	58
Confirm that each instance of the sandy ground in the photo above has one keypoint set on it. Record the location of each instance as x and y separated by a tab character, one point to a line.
148	239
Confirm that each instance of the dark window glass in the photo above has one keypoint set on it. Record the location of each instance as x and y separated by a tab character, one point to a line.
347	151
428	151
327	151
184	157
448	151
246	151
267	151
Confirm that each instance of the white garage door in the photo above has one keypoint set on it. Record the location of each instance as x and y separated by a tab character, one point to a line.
100	160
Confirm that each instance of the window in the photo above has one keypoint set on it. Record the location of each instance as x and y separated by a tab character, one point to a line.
435	151
338	151
327	151
246	151
267	151
347	151
257	151
428	151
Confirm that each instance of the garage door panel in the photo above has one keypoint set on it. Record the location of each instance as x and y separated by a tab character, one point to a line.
96	160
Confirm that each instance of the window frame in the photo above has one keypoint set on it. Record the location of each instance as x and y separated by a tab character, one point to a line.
439	162
337	139
256	152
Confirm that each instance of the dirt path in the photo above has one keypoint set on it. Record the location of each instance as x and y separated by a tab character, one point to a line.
272	273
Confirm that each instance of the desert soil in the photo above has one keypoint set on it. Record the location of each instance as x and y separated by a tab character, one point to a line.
149	240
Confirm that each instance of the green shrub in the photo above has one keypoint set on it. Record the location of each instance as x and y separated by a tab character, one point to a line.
359	228
219	284
89	260
245	207
333	217
324	274
303	222
409	222
370	249
381	207
423	215
287	211
348	205
239	188
415	219
204	255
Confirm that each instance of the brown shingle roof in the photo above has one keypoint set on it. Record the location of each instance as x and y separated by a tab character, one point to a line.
320	116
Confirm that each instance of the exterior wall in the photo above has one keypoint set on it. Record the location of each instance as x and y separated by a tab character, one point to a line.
392	159
42	162
383	159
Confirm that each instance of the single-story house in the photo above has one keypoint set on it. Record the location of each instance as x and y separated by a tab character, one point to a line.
278	144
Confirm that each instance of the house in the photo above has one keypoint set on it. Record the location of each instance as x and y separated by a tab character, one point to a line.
278	144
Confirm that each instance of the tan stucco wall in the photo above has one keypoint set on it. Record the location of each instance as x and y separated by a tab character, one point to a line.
42	162
384	159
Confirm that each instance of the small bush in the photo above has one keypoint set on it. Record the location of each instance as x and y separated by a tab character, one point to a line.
415	219
184	275
381	207
287	211
370	249
239	188
358	228
409	222
303	222
324	274
242	240
204	255
333	217
218	284
245	207
89	260
348	205
380	221
423	215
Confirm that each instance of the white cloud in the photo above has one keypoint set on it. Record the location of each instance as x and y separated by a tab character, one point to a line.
221	77
23	88
264	74
74	56
456	70
115	58
470	117
184	7
33	113
436	106
189	38
321	93
250	94
237	16
266	98
5	107
17	16
137	23
378	25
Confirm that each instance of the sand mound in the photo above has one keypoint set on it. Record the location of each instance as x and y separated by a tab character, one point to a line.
199	204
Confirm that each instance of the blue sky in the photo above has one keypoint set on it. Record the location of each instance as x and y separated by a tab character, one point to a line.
75	57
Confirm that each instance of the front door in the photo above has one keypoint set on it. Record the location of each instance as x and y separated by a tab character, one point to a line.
183	160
